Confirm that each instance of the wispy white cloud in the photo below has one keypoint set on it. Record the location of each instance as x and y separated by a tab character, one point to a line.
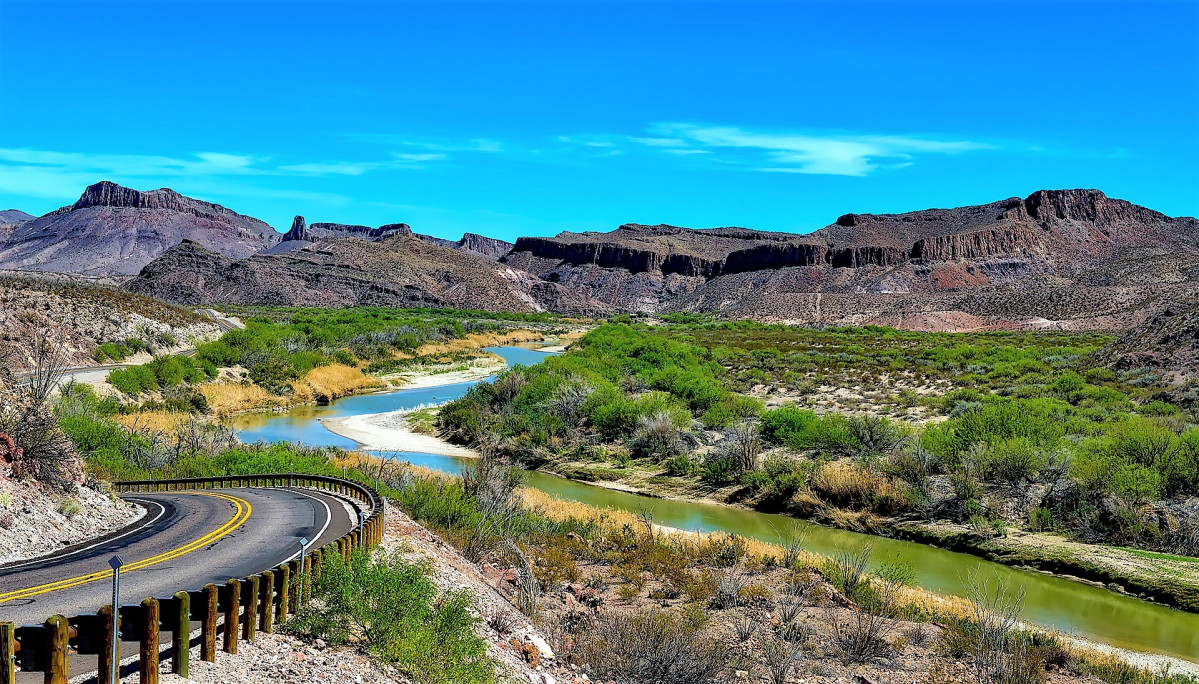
55	174
329	169
399	160
412	158
486	145
204	163
659	142
812	152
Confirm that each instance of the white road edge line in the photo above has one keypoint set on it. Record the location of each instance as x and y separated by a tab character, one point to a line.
328	519
34	561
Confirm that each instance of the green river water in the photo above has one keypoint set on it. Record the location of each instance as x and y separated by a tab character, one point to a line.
1068	606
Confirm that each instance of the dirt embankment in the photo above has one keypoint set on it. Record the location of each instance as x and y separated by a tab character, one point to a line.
35	521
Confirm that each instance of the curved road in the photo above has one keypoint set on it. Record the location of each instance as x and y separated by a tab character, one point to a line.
186	540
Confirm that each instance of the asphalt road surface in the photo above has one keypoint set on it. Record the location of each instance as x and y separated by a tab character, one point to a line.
186	540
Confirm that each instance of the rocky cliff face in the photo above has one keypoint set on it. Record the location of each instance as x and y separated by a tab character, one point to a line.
335	230
113	230
298	231
1044	250
484	246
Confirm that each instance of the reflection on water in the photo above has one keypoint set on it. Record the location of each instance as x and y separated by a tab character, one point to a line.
1071	607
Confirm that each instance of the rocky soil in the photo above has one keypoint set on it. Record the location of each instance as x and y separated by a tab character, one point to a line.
522	650
1167	341
35	521
281	659
84	315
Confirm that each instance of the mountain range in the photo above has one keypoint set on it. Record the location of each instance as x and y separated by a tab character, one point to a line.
1056	258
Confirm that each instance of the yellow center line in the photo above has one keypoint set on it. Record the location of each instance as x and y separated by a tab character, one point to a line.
243	513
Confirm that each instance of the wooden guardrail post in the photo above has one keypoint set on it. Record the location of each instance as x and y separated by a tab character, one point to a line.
284	588
148	658
232	613
295	589
306	583
181	637
104	666
59	630
208	631
252	609
8	653
268	601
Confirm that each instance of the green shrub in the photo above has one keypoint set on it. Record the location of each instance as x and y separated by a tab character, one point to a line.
680	465
731	409
790	426
393	606
719	469
1013	461
1040	519
133	380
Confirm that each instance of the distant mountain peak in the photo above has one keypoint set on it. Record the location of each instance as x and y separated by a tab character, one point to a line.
115	230
12	216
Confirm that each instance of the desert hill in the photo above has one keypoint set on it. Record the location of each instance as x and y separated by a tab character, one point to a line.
400	270
113	230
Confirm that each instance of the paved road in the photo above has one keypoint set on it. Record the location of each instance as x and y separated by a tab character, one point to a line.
186	540
223	322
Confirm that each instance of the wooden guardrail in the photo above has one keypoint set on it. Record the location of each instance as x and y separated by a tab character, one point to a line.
241	607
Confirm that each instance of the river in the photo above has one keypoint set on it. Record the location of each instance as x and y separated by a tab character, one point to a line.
1070	607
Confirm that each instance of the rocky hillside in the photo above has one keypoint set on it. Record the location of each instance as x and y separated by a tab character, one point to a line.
401	270
301	232
14	216
113	230
1167	342
85	315
1071	258
10	220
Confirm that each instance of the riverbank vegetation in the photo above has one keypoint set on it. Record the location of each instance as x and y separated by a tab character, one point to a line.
986	434
618	597
295	356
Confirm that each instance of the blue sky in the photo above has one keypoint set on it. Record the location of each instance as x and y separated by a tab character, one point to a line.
530	118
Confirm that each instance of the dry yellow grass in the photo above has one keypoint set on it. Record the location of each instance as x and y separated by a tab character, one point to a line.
162	422
845	481
326	383
479	340
227	398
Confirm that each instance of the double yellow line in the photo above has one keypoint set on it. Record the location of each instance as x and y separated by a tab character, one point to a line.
243	513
